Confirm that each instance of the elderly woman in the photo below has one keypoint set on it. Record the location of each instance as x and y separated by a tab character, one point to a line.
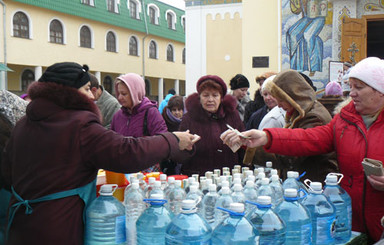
209	110
355	133
239	86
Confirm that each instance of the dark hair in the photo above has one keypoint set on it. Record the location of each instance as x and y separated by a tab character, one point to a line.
308	80
172	91
210	84
93	80
176	101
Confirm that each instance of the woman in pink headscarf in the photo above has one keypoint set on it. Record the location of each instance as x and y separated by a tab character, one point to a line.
138	115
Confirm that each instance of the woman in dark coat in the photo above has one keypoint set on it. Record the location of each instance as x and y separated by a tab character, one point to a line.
59	146
208	112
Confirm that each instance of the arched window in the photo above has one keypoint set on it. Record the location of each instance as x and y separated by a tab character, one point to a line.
170	21
133	9
27	78
20	25
85	37
152	50
152	15
183	56
169	53
111	42
183	22
56	32
133	48
107	83
112	6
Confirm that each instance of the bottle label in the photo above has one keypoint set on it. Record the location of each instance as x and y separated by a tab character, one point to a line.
120	229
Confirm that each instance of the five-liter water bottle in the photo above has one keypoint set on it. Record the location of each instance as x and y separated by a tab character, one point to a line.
152	223
342	202
188	228
134	206
322	215
224	201
296	218
105	219
235	229
208	205
175	198
270	229
250	194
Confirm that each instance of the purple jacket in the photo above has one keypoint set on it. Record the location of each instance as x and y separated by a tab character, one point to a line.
131	124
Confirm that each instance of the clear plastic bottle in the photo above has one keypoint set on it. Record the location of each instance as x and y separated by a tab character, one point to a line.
223	201
153	222
105	219
291	181
270	228
208	205
190	181
175	198
163	180
236	181
188	228
342	202
237	194
156	189
322	215
170	186
142	183
223	184
267	169
296	218
259	178
266	190
250	194
134	207
196	195
278	191
235	229
149	187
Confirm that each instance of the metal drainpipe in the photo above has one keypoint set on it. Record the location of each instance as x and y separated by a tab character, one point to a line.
145	36
5	47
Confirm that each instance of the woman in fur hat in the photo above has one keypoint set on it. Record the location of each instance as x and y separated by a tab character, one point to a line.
356	133
54	154
208	112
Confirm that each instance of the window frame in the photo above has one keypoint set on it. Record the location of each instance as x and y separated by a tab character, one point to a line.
27	27
55	37
91	36
137	46
170	51
107	44
150	52
171	23
154	20
24	85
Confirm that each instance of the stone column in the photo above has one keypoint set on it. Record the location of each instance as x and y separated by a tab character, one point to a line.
177	86
161	90
38	72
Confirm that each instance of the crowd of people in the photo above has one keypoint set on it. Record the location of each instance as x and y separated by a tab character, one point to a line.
71	127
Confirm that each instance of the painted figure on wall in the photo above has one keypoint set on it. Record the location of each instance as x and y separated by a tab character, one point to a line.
303	41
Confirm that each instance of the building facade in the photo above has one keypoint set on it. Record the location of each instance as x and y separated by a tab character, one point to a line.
112	37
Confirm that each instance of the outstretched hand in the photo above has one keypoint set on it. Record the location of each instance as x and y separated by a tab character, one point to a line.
186	140
251	138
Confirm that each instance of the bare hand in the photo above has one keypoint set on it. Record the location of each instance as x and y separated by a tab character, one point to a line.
186	140
377	182
256	138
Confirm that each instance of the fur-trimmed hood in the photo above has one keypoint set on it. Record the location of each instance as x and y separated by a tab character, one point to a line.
227	106
62	96
291	87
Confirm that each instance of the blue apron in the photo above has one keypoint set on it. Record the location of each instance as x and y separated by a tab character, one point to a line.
87	193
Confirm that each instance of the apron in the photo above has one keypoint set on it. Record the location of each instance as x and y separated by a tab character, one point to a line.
87	193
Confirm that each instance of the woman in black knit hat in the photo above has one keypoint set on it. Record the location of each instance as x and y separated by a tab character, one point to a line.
59	146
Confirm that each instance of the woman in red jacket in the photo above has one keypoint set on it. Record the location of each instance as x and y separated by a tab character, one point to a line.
355	133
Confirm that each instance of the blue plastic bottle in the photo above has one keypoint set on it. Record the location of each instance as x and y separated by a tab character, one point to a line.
152	223
342	202
235	229
296	218
105	219
188	228
270	229
322	214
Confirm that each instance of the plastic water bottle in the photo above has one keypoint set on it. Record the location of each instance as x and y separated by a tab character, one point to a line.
236	181
259	178
149	187
163	181
188	228
175	198
224	201
291	181
250	194
196	196
190	181
235	229
170	186
342	202
153	222
134	206
296	218
267	169
224	184
266	190
237	194
270	228
156	189
105	219
322	214
278	190
208	205
142	183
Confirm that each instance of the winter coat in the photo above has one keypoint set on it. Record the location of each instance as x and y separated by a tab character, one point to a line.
164	103
348	135
12	106
60	145
108	106
132	123
273	119
255	119
171	121
210	152
253	106
241	104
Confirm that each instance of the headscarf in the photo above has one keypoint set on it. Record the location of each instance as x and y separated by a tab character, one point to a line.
136	86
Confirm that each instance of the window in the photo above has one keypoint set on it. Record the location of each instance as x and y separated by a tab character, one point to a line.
56	32
107	83
111	42
133	48
152	50
20	25
88	2
27	78
171	19
169	53
133	9
85	37
152	15
111	5
183	56
183	22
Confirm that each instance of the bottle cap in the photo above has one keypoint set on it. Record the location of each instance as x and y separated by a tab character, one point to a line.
236	207
275	177
163	177
331	179
108	189
261	175
296	174
157	184
273	171
252	178
202	178
151	180
264	181
316	186
290	192
290	174
237	181
135	185
237	187
217	171
196	176
191	180
268	164
261	170
156	196
224	183
212	187
178	183
237	176
225	190
188	204
209	181
250	183
264	200
171	180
